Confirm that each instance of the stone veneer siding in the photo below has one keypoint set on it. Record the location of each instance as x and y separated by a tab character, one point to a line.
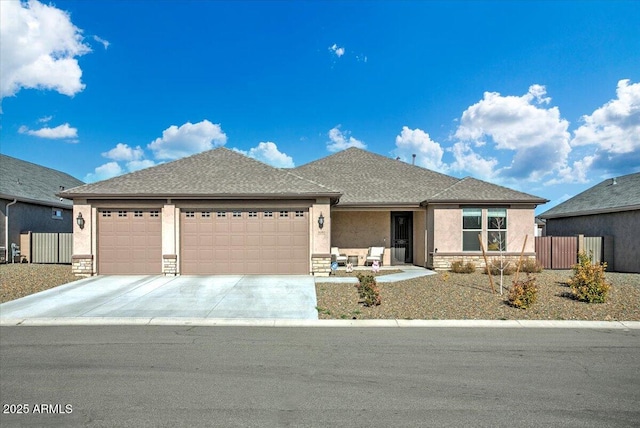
443	261
321	264
170	264
82	265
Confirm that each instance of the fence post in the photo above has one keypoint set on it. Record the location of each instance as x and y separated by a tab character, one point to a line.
580	244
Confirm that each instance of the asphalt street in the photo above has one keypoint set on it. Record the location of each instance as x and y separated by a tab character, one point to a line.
137	376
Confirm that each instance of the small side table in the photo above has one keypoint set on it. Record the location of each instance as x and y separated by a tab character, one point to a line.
353	260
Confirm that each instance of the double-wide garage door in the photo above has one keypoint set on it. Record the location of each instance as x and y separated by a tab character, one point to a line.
244	241
129	242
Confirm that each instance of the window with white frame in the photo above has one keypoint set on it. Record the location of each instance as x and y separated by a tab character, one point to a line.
471	227
497	229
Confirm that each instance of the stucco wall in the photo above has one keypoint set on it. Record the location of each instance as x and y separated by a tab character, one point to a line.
624	227
419	244
24	217
355	231
444	233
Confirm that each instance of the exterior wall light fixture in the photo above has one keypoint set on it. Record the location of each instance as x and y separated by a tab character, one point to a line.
321	221
80	221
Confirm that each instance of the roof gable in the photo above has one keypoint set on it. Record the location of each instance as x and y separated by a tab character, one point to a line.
215	173
367	178
613	194
473	190
29	182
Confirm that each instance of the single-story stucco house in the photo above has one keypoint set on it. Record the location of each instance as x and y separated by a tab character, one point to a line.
610	208
28	201
220	212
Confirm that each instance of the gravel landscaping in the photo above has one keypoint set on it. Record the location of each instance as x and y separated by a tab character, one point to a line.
21	279
468	296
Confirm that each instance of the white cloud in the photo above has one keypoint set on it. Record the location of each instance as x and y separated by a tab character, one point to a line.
103	172
122	152
136	165
537	134
614	127
104	42
341	140
188	139
268	153
577	173
45	119
39	49
337	50
416	141
471	162
57	133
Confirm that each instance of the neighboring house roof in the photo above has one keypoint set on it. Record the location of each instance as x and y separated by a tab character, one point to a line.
366	178
33	183
611	195
218	173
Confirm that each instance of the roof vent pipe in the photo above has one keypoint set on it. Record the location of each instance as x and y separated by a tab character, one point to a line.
614	181
413	162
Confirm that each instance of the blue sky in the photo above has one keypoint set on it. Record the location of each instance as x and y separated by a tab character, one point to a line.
543	97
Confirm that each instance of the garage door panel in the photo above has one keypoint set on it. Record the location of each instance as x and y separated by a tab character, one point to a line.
269	226
244	242
129	242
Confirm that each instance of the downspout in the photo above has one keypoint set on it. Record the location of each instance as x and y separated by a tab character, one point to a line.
6	230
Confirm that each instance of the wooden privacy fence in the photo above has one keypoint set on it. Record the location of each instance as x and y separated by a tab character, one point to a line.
561	252
46	247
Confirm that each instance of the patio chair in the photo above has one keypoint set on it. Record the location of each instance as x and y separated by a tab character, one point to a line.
374	254
341	259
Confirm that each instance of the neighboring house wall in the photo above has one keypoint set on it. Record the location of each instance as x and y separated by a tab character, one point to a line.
619	225
25	217
355	231
445	235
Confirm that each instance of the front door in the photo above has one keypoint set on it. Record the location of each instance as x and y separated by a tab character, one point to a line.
401	237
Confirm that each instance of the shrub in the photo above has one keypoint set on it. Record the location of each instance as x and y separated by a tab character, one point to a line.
459	266
494	265
523	293
368	289
531	266
588	283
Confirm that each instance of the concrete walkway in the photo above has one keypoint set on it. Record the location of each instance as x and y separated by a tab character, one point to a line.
152	297
408	272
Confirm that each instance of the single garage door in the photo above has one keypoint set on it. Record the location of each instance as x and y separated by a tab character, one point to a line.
129	242
245	241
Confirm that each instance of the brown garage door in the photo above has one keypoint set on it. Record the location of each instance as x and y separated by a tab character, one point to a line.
129	242
245	242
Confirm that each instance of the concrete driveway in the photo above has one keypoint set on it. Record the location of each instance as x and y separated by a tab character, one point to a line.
223	296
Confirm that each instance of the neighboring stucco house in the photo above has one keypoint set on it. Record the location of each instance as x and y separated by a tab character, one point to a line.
610	208
221	212
28	201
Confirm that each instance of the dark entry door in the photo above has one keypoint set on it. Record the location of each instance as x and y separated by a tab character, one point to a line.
401	237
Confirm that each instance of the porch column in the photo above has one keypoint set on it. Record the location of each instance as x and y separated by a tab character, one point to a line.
82	261
320	237
169	233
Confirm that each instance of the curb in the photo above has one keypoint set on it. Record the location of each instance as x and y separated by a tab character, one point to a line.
213	322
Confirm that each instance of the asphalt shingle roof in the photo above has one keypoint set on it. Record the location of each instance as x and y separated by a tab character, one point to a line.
471	189
603	197
29	182
215	173
368	178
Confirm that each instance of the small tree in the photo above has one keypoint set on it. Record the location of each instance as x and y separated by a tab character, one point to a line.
497	240
588	283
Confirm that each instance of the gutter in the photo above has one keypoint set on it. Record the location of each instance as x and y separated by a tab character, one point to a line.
6	230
